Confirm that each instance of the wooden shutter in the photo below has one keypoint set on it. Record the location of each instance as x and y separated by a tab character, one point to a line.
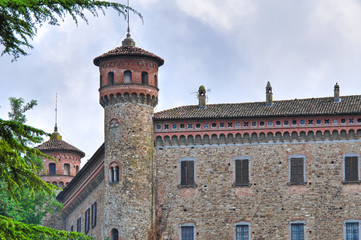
245	172
187	173
184	173
242	171
238	170
190	169
297	173
351	168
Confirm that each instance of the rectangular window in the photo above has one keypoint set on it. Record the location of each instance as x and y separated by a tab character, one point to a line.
286	123
352	231
52	168
241	172
110	78
297	231
351	168
78	225
242	232
238	124
87	220
94	214
297	170
187	173
66	169
72	228
187	233
221	125
270	123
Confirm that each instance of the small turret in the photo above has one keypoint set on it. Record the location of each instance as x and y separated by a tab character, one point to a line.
202	97
336	93
269	94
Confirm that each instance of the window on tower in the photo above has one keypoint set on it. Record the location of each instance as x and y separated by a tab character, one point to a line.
155	81
101	81
113	173
115	234
127	77
66	169
52	168
110	78
144	78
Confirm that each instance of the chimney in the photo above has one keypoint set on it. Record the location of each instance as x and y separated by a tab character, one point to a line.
269	94
336	93
201	97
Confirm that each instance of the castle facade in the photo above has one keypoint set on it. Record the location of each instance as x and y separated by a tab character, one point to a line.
261	170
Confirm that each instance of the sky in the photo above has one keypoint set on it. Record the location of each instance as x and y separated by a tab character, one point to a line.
233	47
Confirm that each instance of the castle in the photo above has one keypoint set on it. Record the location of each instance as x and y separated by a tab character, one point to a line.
261	170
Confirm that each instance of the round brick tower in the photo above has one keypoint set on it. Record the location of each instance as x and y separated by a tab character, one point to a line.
128	94
68	158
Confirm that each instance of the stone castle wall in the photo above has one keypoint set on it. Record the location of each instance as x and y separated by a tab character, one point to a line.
269	204
128	145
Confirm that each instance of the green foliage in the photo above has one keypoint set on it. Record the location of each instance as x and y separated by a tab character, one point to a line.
19	19
17	166
24	198
10	229
30	207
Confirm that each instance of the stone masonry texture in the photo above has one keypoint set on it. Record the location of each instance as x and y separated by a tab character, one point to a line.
269	204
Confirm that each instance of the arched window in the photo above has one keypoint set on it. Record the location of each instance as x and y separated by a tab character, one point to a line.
52	168
144	78
77	169
155	81
55	183
114	174
66	169
127	77
115	234
110	78
61	185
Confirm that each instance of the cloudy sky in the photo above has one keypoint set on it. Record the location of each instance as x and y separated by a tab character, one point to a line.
233	47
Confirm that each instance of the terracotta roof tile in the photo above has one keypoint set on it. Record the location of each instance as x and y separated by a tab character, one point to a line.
127	51
59	145
297	107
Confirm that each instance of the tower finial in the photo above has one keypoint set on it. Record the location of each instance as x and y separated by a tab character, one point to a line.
56	113
55	134
128	41
128	20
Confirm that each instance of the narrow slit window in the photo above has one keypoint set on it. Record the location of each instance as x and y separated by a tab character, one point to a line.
144	78
110	78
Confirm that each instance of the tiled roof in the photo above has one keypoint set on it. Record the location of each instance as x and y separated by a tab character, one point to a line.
59	145
127	51
297	107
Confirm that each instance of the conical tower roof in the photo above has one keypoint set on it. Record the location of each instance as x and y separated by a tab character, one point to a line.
56	144
128	48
